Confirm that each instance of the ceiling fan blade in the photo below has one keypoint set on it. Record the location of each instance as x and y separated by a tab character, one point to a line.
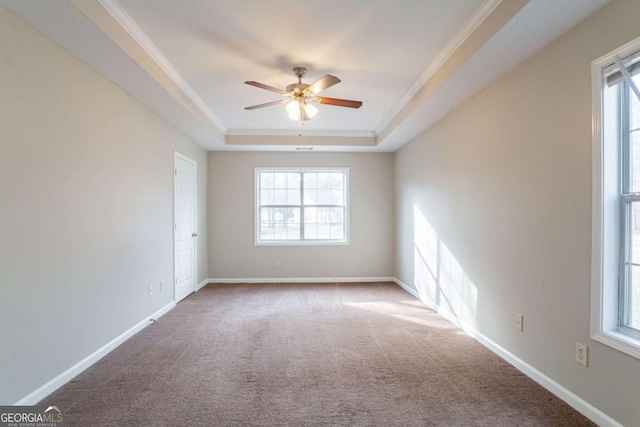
267	104
267	87
339	102
322	84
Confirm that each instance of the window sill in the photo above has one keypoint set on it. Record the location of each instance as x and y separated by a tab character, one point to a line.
619	341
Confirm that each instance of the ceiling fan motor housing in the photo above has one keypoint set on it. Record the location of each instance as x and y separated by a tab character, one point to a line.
297	88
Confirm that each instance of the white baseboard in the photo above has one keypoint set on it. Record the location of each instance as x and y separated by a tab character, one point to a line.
579	404
304	280
66	376
202	284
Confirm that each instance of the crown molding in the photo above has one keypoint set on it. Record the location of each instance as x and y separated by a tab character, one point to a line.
129	25
472	24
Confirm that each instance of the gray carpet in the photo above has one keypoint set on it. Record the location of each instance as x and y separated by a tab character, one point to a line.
305	355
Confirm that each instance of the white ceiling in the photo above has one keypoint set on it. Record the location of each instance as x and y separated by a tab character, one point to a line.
410	62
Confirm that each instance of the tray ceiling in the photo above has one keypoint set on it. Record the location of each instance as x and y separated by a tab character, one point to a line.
410	62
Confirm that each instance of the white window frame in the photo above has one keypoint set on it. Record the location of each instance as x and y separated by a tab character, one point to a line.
607	241
301	241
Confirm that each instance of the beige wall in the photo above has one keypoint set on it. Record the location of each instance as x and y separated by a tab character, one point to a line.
86	208
232	253
494	213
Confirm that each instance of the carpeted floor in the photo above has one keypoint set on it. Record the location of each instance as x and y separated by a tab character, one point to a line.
306	355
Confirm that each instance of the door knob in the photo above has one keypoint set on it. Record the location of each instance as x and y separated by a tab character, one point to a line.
194	234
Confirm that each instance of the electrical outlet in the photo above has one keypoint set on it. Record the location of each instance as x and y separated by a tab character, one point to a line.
582	354
276	263
519	322
161	285
150	289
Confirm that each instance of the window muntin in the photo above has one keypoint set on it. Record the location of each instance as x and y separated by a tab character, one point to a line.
301	206
615	319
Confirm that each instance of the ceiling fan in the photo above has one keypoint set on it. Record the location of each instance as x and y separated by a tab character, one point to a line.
300	95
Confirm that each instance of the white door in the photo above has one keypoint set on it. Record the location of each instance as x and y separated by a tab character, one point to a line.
184	214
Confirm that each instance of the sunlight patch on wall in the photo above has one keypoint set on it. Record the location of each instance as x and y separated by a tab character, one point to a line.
438	276
425	254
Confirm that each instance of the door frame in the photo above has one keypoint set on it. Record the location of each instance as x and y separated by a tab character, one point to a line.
179	156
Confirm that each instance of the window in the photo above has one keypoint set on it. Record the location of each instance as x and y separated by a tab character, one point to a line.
616	199
630	198
298	206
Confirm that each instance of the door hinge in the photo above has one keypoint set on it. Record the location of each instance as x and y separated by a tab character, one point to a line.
175	280
175	226
175	172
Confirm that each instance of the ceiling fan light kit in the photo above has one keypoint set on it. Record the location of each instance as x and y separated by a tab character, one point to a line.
300	110
301	94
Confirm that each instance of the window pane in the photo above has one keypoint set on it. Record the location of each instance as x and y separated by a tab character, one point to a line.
324	223
266	196
310	188
634	162
634	296
280	180
293	186
324	196
635	105
293	196
266	180
279	223
633	286
634	230
310	180
324	180
293	180
337	180
310	196
280	196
